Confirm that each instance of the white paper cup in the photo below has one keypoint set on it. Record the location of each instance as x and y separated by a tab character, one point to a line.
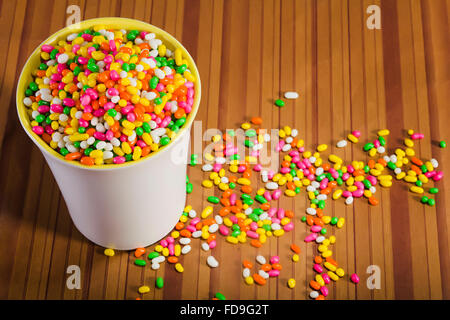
124	206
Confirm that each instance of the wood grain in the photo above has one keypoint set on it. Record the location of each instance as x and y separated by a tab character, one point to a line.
249	52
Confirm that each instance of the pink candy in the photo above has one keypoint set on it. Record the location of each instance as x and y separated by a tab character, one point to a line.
354	277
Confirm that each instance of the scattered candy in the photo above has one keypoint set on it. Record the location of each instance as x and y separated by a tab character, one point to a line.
109	252
291	95
279	103
144	289
354	277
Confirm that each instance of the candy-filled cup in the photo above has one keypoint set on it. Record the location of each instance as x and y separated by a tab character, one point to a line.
121	206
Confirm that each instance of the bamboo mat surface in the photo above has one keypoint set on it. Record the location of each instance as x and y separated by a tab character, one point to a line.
249	53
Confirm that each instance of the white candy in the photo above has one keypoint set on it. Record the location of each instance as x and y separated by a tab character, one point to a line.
294	133
205	246
246	272
313	294
319	170
291	95
311	211
434	163
197	234
397	170
275	226
286	147
260	259
155	266
186	249
212	262
63	58
289	139
192	213
320	239
263	274
213	228
341	144
159	259
272	185
219	219
207	167
381	149
185	241
349	200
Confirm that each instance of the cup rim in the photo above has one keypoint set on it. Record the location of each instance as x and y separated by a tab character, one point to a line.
116	22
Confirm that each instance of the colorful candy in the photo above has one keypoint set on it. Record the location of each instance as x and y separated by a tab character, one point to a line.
108	97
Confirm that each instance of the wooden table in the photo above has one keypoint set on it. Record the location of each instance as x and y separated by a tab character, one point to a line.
248	53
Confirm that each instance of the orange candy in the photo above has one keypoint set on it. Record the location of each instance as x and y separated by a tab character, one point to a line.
256	120
139	252
295	248
247	264
258	279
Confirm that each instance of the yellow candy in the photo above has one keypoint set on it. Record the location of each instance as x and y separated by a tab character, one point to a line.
322	147
352	138
249	280
179	267
332	239
409	143
244	181
327	254
109	252
416	189
165	252
326	219
158	248
144	289
340	223
289	193
337	194
295	258
319	280
278	233
291	283
206	212
329	266
232	240
383	132
246	126
333	276
340	272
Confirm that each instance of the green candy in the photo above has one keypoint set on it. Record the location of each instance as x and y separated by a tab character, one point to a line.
189	187
125	67
323	231
145	126
424	199
88	151
434	190
139	131
254	217
236	233
334	220
250	133
153	255
303	219
442	144
40	118
391	165
64	151
279	103
382	141
180	122
164	141
213	199
181	68
248	202
258	211
93	67
367	184
33	86
159	282
81	129
140	262
235	157
419	183
220	296
368	146
153	82
232	185
249	144
157	101
297	190
431	202
260	199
